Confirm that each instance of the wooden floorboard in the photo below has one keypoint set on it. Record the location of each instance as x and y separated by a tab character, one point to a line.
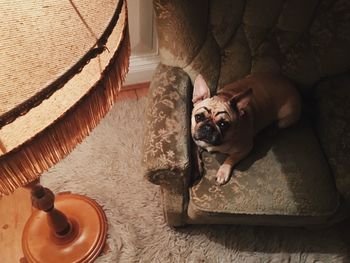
134	91
14	211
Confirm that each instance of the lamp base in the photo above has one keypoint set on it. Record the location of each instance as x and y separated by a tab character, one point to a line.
83	241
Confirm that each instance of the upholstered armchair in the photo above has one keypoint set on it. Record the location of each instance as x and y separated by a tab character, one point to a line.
297	177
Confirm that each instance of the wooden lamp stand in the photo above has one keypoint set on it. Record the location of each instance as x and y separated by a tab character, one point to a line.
72	228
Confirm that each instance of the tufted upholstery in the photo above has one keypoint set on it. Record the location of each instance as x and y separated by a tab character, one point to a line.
304	40
224	40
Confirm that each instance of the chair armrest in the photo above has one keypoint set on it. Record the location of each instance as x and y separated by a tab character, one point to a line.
333	125
166	154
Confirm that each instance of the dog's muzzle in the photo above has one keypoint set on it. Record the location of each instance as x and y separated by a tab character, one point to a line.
209	134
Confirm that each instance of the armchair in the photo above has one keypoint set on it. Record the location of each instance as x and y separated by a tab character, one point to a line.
299	177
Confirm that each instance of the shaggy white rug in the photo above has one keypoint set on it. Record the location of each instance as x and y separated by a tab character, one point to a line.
107	167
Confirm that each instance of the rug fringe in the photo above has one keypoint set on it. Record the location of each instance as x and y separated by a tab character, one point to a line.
27	162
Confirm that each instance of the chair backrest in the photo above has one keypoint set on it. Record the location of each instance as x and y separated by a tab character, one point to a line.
225	40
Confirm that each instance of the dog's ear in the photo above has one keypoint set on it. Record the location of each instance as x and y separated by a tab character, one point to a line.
241	100
201	90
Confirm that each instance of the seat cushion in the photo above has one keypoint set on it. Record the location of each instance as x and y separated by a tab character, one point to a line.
285	178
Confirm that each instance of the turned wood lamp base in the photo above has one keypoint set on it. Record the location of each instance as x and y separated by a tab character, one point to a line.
71	229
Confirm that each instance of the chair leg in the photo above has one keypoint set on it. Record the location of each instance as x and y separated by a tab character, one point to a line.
173	207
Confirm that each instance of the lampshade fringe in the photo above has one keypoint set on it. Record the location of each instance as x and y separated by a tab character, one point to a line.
20	167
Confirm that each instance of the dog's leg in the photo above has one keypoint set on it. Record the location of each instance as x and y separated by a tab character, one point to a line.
225	170
289	113
287	121
200	169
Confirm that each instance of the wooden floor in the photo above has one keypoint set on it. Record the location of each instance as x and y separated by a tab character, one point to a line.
134	91
16	208
14	211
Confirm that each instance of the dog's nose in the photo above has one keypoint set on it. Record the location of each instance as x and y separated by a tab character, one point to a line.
209	134
208	128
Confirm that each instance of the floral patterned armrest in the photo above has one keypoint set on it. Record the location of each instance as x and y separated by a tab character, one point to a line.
166	156
167	135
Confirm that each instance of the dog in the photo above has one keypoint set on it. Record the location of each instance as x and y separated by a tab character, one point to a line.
228	121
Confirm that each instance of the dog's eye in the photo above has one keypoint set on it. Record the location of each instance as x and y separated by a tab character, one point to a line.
199	117
223	124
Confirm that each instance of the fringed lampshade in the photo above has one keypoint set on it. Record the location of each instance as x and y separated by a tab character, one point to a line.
62	65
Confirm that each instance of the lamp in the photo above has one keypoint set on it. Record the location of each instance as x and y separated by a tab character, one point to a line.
62	65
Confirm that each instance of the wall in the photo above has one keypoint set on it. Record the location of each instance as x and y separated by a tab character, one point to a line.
144	47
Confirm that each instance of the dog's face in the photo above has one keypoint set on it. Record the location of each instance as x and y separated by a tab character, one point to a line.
214	119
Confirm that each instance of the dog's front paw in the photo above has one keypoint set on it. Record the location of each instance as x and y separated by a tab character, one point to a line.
223	175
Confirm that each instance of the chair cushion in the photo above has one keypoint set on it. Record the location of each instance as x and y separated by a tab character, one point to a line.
285	175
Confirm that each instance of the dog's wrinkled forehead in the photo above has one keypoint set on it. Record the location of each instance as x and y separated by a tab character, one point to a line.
212	105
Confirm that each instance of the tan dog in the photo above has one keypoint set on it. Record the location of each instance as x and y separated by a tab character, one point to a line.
227	122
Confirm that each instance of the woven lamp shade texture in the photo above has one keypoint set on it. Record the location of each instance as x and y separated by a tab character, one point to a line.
62	65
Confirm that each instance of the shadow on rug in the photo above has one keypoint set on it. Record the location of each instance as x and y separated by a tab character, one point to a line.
107	167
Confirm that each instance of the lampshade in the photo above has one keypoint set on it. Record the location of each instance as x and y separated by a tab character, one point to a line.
62	65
